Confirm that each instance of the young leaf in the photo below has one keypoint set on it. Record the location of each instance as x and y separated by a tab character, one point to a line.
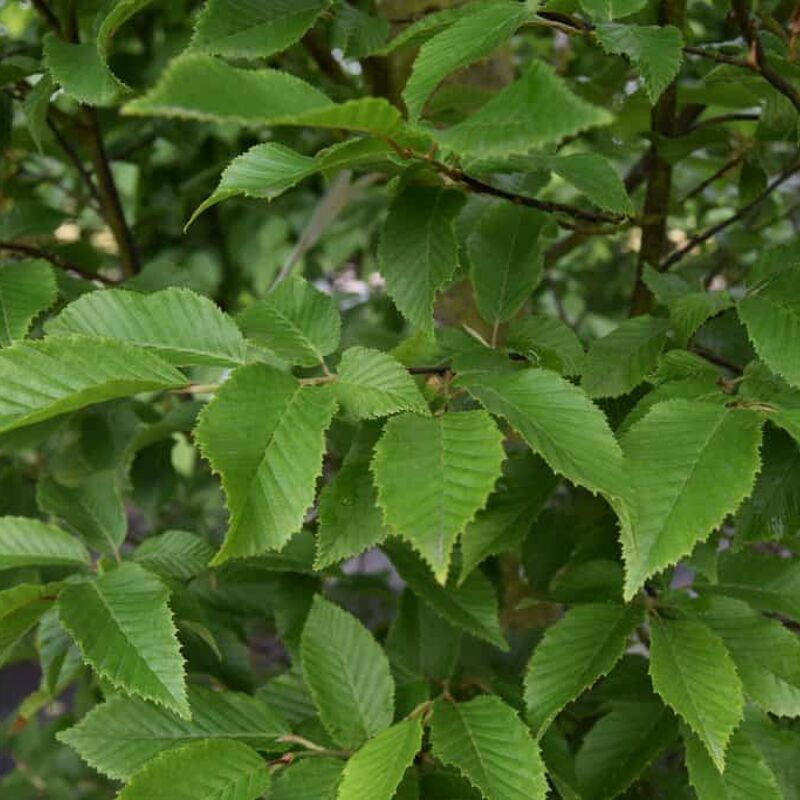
547	342
372	384
505	259
204	770
178	555
691	464
123	627
580	648
418	250
21	607
603	10
297	322
694	674
348	674
143	730
44	379
594	176
375	771
308	779
28	542
181	326
487	742
26	289
433	474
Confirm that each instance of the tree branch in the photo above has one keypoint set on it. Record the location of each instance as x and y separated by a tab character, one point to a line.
723	170
54	259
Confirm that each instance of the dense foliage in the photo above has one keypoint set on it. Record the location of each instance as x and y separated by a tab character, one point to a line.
504	296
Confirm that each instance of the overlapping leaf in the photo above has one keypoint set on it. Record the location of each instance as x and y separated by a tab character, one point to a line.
29	542
547	342
21	607
594	176
26	289
179	555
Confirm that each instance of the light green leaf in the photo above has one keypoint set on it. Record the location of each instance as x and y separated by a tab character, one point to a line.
123	626
469	39
308	779
59	658
580	648
376	770
695	676
692	310
348	674
28	542
621	360
81	72
254	28
547	342
433	474
174	554
297	322
44	379
418	250
26	289
603	10
270	465
142	730
593	175
487	742
372	384
691	464
505	259
778	745
21	607
36	106
536	110
204	770
181	326
422	29
656	52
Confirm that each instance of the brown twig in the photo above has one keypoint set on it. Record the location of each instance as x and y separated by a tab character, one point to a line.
741	116
717	359
723	170
56	260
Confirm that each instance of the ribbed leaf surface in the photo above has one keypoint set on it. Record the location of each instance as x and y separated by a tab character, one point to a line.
174	554
602	10
264	434
308	779
548	342
487	742
179	325
348	674
26	289
21	607
593	175
580	648
123	626
28	542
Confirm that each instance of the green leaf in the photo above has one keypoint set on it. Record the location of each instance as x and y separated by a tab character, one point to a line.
44	379
656	52
580	648
375	771
179	555
695	675
505	259
692	310
26	289
269	466
602	10
422	29
547	342
181	326
81	72
254	29
308	779
59	658
36	106
691	464
621	746
433	474
21	607
348	674
297	322
469	39
358	34
142	730
489	744
122	624
372	384
778	745
593	175
204	770
621	360
28	542
418	250
536	110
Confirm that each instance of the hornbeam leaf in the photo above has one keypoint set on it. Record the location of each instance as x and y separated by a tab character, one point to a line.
691	463
81	71
143	730
181	326
204	770
433	474
46	378
536	110
422	29
487	742
547	342
595	177
418	250
603	10
348	674
264	434
375	771
696	677
179	555
26	289
122	624
28	542
254	29
21	607
580	648
308	779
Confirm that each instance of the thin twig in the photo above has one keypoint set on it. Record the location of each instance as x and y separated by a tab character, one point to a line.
723	170
37	252
73	156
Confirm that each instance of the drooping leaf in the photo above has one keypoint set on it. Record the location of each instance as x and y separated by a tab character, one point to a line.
547	342
21	607
593	175
308	779
487	742
123	626
348	674
181	326
358	34
179	555
81	72
59	657
29	542
26	289
603	10
418	250
580	648
696	677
